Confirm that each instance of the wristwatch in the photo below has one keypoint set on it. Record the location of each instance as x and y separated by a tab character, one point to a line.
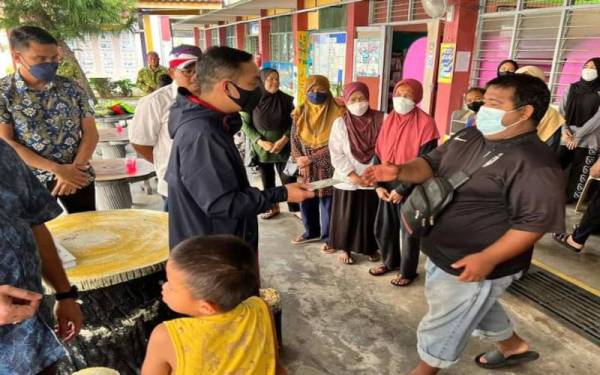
73	293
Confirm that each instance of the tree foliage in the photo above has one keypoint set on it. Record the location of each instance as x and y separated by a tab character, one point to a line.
70	19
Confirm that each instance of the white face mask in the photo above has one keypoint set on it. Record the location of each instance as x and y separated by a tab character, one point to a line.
589	74
403	105
358	108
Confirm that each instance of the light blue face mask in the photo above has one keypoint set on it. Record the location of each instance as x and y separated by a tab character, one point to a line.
489	120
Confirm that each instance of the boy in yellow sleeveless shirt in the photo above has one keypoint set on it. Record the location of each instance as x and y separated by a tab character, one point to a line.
214	280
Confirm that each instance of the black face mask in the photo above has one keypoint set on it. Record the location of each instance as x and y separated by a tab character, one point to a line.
474	106
248	100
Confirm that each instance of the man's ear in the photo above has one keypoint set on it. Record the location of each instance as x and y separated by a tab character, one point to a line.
527	113
230	89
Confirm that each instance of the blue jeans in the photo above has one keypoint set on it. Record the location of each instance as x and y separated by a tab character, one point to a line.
316	213
458	310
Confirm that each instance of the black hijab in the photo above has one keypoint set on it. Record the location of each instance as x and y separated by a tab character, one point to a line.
583	99
513	62
273	112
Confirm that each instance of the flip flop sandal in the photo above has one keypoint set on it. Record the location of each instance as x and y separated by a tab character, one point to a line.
269	215
396	281
301	239
496	360
561	238
347	259
381	270
326	249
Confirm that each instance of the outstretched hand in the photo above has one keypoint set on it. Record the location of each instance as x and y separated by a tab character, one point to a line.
381	173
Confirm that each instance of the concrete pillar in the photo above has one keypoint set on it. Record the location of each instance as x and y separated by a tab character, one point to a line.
208	38
358	15
196	36
461	30
240	35
222	33
299	25
264	45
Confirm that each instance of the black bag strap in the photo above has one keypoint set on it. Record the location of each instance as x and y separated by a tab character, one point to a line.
461	177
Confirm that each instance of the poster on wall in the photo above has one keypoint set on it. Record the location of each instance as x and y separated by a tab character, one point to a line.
303	56
328	53
446	69
367	57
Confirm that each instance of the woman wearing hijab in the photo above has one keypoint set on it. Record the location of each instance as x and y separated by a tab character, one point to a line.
352	149
507	67
549	128
268	131
407	133
310	149
581	133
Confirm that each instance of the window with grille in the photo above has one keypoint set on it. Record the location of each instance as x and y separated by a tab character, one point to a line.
333	17
202	40
281	39
251	35
230	36
214	37
559	40
383	11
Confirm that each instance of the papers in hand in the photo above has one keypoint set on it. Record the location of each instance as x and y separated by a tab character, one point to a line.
68	260
322	184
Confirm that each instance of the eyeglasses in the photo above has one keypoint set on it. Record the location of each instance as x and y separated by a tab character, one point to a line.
187	71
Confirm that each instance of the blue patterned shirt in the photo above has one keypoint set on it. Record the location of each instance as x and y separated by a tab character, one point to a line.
30	346
47	121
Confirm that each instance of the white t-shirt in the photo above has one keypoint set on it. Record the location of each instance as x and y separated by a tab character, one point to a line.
342	159
150	127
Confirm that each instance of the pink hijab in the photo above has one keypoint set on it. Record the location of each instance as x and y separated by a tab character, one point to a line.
402	136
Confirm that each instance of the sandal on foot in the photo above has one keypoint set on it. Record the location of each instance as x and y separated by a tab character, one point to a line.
562	238
379	270
346	258
496	359
301	239
401	281
326	249
269	214
375	257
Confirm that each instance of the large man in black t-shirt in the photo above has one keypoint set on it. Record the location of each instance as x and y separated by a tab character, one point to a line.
484	239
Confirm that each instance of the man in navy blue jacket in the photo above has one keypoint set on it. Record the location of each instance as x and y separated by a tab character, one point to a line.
209	192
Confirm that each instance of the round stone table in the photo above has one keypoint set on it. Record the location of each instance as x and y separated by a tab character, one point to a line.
112	182
120	258
112	142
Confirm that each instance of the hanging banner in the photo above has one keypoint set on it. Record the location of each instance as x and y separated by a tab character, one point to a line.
446	70
302	66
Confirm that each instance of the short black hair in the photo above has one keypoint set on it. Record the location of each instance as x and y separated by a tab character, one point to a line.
528	90
164	80
219	63
22	36
221	269
153	53
475	89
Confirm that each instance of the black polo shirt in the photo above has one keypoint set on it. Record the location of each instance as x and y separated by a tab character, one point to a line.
522	190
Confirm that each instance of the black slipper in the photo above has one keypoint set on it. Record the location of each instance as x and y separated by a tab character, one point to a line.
407	283
495	359
561	238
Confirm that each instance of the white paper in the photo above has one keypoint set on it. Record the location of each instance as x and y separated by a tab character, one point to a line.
463	58
322	184
68	260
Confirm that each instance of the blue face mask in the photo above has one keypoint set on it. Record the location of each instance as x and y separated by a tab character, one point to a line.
317	97
44	72
489	120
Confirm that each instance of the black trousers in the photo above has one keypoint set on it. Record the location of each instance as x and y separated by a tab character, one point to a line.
398	249
267	175
83	200
590	223
50	370
579	161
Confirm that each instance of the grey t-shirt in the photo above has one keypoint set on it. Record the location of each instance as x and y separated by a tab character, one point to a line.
522	190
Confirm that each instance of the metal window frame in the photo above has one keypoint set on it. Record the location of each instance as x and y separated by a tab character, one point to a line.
566	10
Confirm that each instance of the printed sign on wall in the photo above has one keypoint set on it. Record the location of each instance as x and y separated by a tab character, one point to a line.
446	70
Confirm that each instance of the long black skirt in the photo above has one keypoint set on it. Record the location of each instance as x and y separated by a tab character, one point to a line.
580	161
352	217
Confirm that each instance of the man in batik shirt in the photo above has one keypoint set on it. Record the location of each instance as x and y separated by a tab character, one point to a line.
48	119
28	253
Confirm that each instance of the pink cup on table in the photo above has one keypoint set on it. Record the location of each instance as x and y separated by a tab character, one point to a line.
130	166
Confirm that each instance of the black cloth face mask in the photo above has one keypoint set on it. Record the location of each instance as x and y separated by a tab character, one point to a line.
248	99
474	106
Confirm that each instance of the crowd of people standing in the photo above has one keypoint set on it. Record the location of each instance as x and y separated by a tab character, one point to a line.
477	246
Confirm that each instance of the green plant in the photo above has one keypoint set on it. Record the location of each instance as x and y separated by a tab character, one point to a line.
102	86
122	87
